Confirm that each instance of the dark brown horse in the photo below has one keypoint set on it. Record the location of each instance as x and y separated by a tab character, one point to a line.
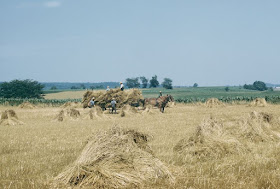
159	102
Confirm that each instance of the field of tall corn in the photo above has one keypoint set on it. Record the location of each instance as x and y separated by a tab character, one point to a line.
181	95
48	102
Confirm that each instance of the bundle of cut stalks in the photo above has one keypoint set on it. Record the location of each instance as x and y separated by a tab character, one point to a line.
210	140
6	103
213	102
258	102
260	127
9	117
149	110
66	114
27	105
94	113
131	97
117	158
128	110
71	105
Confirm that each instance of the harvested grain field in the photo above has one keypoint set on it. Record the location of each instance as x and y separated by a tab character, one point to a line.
181	140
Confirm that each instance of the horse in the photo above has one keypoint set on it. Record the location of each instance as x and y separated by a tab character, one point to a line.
159	102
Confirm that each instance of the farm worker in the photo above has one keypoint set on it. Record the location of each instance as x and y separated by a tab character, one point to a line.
91	102
108	88
113	104
122	86
160	94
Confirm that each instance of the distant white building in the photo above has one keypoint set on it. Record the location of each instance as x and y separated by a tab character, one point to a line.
277	88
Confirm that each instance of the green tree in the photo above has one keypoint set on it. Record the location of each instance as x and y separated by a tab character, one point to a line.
227	89
154	82
83	86
257	85
74	87
99	87
144	81
260	86
195	85
53	88
21	89
132	82
167	83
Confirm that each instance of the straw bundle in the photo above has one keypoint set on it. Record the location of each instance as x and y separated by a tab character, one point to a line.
213	102
66	114
9	117
128	110
117	158
27	105
258	102
71	105
259	127
210	140
149	110
94	113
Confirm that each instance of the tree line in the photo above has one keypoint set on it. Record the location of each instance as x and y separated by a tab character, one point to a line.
33	89
134	82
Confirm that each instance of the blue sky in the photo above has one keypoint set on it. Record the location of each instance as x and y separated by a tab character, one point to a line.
208	42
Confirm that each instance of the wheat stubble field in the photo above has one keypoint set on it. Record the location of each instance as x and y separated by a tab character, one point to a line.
219	147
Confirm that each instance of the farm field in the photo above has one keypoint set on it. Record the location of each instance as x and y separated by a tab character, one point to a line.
188	94
66	95
244	153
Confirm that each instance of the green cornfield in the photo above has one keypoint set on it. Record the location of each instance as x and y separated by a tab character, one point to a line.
49	102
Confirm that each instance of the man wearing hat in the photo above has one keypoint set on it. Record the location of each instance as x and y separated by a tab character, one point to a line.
91	103
108	89
122	86
113	104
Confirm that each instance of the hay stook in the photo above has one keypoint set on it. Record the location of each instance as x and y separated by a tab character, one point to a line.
94	113
260	127
213	102
9	117
117	158
210	140
258	102
66	114
27	105
71	105
150	110
128	110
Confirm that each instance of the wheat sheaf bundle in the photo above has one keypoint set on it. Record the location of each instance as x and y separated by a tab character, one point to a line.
210	140
118	158
213	102
128	110
27	105
259	102
260	127
9	117
67	114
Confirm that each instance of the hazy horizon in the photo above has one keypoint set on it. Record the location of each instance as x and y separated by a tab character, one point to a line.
213	43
